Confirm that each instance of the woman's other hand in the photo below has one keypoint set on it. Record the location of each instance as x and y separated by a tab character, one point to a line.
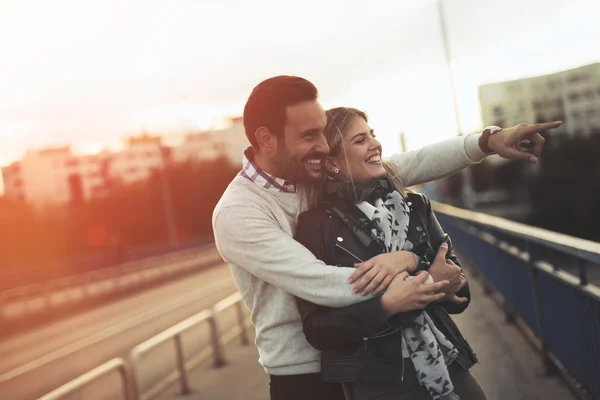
375	274
443	268
451	296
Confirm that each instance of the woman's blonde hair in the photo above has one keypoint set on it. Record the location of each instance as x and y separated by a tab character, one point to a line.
338	120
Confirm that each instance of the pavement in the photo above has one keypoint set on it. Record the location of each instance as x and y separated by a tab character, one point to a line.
510	367
35	362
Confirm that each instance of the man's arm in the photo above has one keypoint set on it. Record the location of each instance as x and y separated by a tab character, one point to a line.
327	328
438	160
251	239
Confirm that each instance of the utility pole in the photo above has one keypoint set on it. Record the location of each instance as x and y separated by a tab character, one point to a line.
168	200
467	186
448	56
402	140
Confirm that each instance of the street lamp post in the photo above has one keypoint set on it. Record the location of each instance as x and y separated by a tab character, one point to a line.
467	186
168	201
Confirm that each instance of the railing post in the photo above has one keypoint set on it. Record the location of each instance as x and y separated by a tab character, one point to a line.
136	390
242	322
534	255
487	289
215	339
583	280
509	314
126	386
183	376
1	306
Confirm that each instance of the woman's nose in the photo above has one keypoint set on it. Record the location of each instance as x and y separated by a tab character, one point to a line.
374	144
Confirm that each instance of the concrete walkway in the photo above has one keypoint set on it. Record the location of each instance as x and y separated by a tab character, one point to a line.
510	368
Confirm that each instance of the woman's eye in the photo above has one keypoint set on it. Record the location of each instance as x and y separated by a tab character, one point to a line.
361	140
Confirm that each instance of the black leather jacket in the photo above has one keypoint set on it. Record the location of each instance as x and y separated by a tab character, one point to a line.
359	343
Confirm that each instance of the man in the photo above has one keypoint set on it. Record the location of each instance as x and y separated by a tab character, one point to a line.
255	220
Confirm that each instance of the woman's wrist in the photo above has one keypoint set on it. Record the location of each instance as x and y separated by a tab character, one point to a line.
417	262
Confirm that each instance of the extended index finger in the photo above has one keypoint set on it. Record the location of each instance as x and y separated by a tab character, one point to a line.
537	128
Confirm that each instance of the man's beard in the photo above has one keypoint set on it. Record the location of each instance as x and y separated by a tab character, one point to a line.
296	171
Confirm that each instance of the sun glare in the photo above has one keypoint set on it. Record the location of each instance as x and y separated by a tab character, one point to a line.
88	148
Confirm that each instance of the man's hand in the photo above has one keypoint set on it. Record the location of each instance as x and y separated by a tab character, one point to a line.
509	142
376	273
402	295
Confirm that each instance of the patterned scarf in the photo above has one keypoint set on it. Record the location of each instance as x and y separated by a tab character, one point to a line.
383	221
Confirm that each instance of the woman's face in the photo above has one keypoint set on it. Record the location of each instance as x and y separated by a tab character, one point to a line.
359	157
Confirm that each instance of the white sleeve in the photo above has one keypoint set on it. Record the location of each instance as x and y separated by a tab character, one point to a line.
438	160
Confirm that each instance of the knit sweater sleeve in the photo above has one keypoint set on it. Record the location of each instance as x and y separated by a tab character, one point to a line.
438	160
251	239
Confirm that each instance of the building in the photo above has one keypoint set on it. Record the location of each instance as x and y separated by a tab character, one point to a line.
56	176
234	140
13	182
142	156
229	142
91	174
49	176
197	147
571	96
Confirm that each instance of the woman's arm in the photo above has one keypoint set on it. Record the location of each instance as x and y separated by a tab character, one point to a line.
438	160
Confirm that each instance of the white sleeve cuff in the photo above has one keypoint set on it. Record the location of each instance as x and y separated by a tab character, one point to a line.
472	148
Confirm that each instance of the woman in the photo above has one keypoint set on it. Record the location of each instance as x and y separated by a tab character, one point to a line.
363	212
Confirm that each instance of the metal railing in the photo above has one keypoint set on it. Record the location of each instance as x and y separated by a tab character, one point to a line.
130	374
20	303
217	340
89	377
548	283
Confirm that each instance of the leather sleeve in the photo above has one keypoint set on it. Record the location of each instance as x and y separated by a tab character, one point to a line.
436	234
325	327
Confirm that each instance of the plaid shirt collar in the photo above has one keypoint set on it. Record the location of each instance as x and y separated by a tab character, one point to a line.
263	178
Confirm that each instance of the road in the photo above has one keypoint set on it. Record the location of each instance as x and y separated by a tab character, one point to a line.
38	361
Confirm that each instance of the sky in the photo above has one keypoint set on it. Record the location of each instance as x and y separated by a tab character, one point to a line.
88	73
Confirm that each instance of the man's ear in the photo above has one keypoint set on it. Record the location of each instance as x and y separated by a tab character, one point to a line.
331	165
264	138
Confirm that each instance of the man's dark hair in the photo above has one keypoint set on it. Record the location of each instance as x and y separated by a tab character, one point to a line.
268	102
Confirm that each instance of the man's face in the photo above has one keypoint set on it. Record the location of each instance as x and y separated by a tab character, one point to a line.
301	152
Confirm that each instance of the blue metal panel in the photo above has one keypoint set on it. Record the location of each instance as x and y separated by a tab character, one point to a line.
564	316
572	329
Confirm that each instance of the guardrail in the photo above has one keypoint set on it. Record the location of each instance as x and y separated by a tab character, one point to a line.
87	378
546	282
211	317
19	303
132	389
25	275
